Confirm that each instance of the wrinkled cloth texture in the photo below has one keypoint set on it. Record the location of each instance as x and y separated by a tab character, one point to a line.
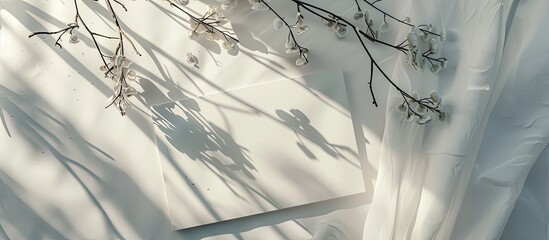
461	178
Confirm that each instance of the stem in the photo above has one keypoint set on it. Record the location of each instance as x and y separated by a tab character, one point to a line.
394	18
202	21
370	83
359	33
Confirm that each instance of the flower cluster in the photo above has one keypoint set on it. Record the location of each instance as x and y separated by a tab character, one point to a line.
422	36
384	27
207	27
118	70
339	29
291	45
414	108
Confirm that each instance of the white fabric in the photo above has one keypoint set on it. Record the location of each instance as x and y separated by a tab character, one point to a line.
460	179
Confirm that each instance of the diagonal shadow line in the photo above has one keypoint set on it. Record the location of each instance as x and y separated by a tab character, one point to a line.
5	182
63	160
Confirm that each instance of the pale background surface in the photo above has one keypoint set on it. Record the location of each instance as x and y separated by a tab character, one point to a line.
70	169
257	149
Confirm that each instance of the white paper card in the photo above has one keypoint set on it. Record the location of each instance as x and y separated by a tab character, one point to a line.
257	149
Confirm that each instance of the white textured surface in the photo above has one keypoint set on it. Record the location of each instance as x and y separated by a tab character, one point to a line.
257	149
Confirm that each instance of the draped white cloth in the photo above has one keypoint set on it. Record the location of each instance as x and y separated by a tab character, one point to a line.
460	179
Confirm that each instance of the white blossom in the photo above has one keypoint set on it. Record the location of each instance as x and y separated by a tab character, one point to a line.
277	23
358	15
118	70
412	39
74	38
424	120
341	31
183	2
228	45
443	34
402	107
193	35
384	27
259	6
228	4
421	109
433	46
192	59
442	116
436	67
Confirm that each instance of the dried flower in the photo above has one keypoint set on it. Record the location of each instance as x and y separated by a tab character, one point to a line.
402	107
384	27
433	46
435	97
228	4
118	70
302	60
442	116
301	29
259	6
193	35
73	39
443	34
412	39
192	59
228	45
436	67
341	31
424	120
277	23
358	15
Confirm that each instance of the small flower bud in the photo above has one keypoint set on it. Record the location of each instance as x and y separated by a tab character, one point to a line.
358	15
444	63
415	95
228	45
277	23
384	27
433	46
442	116
302	60
421	109
408	116
341	32
443	35
402	107
259	7
412	39
74	39
435	97
193	35
435	68
424	120
229	5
